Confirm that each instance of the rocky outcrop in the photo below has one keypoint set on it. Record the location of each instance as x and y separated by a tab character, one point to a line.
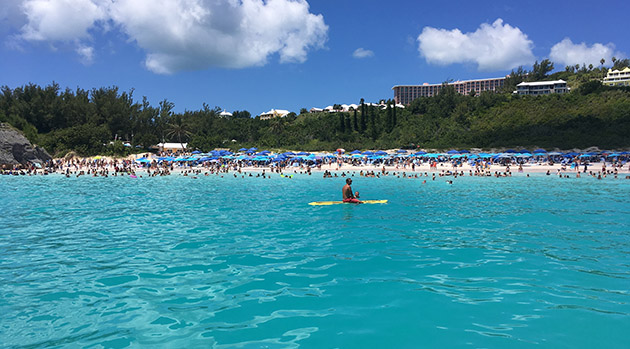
15	149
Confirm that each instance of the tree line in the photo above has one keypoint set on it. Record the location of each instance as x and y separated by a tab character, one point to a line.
97	121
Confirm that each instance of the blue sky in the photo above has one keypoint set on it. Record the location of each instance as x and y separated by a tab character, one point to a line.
286	54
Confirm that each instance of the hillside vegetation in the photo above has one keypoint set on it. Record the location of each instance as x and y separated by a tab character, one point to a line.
87	121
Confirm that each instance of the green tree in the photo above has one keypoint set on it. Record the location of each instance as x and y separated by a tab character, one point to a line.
541	69
176	128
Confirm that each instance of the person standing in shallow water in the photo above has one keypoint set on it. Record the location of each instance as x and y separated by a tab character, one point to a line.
348	196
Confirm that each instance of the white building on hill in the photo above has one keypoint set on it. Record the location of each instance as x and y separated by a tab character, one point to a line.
617	77
541	87
274	113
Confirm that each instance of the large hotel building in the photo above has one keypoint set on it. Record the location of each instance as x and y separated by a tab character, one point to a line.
405	94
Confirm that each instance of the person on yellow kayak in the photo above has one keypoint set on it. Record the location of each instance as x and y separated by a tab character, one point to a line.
348	196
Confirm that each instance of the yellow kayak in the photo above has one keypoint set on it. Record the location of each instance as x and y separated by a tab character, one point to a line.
326	203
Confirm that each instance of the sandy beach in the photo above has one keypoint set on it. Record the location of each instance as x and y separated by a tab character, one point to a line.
104	166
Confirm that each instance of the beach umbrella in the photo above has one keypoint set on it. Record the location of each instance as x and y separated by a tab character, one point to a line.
243	149
196	152
473	156
401	151
420	152
340	150
303	153
504	156
523	151
464	151
540	151
452	151
554	153
524	155
380	152
289	153
265	152
540	154
510	151
355	152
367	152
457	156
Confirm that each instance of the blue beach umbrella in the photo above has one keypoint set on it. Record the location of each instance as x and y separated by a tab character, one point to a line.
367	152
464	151
243	149
540	151
303	153
401	151
452	151
380	152
355	152
196	152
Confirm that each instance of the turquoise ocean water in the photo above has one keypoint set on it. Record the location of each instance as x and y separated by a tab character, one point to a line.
246	262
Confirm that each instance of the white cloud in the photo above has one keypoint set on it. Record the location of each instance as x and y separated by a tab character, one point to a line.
60	20
86	54
186	34
495	46
362	53
567	53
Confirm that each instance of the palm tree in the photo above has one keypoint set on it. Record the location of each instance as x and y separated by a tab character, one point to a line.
178	129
